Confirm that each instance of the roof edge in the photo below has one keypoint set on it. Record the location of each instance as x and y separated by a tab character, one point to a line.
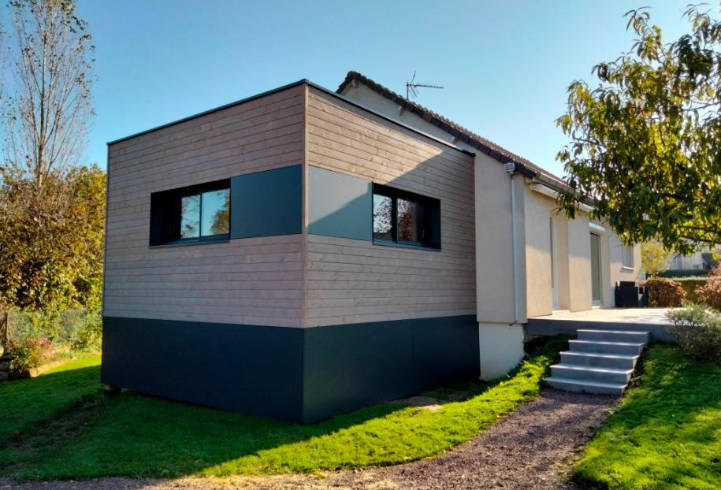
493	150
303	81
210	111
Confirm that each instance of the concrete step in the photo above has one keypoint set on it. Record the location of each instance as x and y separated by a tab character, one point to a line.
613	361
586	386
588	373
599	347
614	335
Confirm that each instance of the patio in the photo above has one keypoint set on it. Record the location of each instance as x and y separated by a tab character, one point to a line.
653	320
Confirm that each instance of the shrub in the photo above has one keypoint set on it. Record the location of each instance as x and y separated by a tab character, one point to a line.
665	292
35	338
690	285
684	273
710	293
698	332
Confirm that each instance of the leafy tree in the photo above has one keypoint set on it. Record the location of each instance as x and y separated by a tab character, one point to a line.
51	249
646	141
51	211
654	258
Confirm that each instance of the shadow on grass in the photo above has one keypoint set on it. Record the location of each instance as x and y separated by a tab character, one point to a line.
25	402
135	435
667	432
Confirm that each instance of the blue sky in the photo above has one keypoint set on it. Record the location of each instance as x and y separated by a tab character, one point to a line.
505	65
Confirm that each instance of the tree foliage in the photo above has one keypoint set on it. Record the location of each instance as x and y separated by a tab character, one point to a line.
51	249
654	258
645	143
51	210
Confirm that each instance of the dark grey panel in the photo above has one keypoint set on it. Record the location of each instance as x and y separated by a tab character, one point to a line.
339	205
351	366
301	375
267	203
247	368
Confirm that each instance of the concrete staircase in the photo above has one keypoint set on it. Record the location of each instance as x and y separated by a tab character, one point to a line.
599	361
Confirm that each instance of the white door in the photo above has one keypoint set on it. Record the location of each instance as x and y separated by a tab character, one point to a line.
596	268
554	265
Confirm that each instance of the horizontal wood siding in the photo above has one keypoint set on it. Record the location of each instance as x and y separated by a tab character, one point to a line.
250	281
353	281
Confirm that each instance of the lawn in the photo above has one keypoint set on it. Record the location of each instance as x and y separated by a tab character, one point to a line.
667	433
28	401
133	435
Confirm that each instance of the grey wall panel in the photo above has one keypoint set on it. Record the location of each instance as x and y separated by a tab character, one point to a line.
301	375
267	203
247	368
347	367
339	205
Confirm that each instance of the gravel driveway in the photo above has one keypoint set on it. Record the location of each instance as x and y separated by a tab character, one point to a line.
533	447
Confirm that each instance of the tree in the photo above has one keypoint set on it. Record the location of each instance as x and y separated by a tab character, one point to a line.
51	255
654	258
48	102
645	144
51	210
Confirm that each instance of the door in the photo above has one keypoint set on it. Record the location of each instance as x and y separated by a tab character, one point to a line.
554	266
596	268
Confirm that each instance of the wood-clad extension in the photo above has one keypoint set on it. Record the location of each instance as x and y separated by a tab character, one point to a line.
355	281
254	281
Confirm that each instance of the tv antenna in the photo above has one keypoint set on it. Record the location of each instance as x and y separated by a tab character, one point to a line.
412	86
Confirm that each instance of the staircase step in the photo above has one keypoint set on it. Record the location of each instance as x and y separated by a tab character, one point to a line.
582	386
613	361
600	347
614	335
587	373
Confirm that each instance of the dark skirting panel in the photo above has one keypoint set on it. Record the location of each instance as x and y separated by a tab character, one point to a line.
347	367
301	375
246	368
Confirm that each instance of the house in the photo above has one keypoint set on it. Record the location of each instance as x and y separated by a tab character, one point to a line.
303	252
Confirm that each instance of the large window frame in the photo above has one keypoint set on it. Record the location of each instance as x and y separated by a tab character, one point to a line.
427	211
166	215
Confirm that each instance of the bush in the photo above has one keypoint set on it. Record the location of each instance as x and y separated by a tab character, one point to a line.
684	273
710	293
691	285
698	332
35	338
665	292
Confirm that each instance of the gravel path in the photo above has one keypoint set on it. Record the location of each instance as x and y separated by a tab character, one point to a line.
532	447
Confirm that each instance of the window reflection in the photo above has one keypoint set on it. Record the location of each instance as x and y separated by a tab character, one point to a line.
215	213
408	221
190	216
382	217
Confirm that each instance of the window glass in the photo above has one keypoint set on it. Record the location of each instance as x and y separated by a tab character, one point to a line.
190	217
382	217
406	218
627	256
216	213
408	229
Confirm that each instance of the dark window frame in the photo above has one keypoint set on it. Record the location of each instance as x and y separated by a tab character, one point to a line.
429	207
166	215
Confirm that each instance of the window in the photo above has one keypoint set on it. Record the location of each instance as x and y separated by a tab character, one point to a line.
627	256
405	218
191	214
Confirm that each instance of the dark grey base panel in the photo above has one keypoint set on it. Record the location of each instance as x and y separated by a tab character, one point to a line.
295	374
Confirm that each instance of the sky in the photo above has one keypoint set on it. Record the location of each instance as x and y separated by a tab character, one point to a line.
504	65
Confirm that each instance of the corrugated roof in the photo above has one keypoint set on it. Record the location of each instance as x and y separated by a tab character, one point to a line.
476	141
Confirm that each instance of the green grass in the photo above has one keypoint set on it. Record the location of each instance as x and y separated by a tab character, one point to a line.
667	432
28	401
136	436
